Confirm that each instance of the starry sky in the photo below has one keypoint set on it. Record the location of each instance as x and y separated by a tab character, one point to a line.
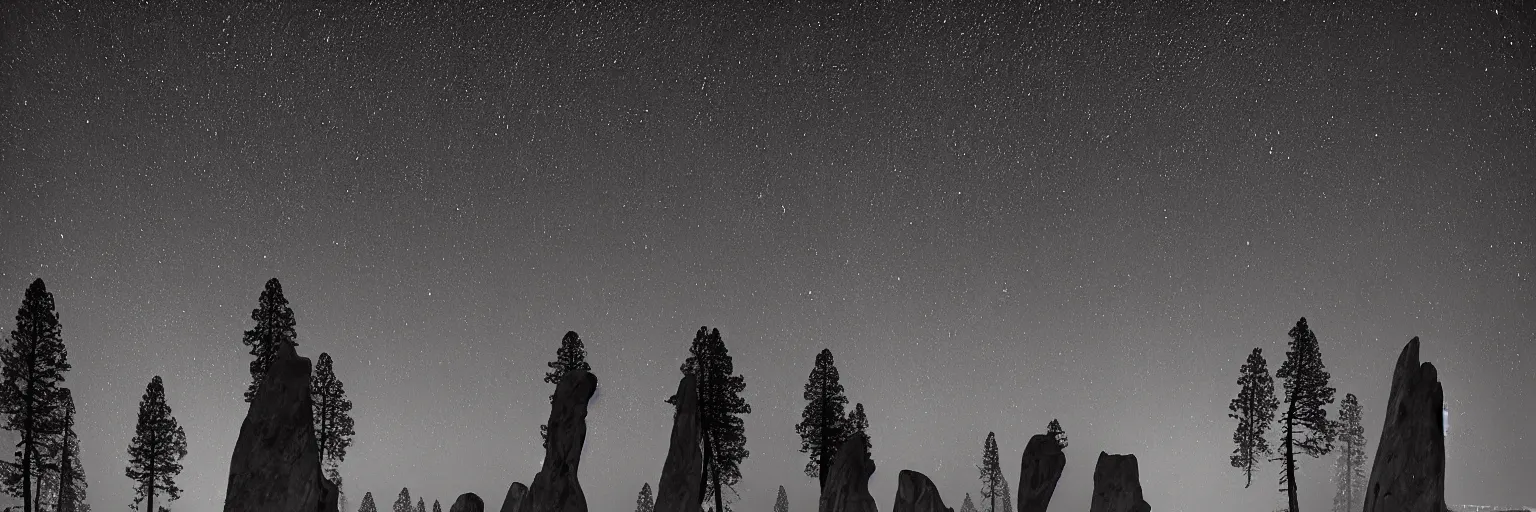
994	214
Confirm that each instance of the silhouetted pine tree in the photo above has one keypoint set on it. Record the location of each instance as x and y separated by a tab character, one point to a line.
403	503
1306	393
781	504
720	404
572	355
68	483
154	457
1056	433
967	505
645	502
274	324
822	424
332	412
1350	470
421	505
858	423
367	504
992	485
30	397
437	506
1254	410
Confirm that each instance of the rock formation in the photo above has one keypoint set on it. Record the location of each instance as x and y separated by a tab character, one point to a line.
468	502
916	493
1408	474
515	495
276	463
1117	485
679	488
1039	470
847	488
329	496
556	488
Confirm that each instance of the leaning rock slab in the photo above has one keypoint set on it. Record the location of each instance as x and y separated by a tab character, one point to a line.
1039	470
1117	485
468	502
555	488
1408	474
916	493
847	488
515	495
276	464
679	488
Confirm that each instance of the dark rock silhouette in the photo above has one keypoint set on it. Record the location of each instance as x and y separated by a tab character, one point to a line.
468	502
556	488
1039	469
1117	485
916	493
1408	474
276	463
679	488
515	495
847	488
330	496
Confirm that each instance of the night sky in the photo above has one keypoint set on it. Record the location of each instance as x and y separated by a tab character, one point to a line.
993	216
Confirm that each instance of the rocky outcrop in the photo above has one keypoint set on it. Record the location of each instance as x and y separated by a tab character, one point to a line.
276	464
1408	474
847	487
556	488
468	502
679	488
1117	485
916	493
330	496
1039	470
515	495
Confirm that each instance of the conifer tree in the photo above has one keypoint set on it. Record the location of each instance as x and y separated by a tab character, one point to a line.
1056	433
722	434
992	484
437	506
1254	410
154	457
332	413
822	423
367	504
645	502
274	325
782	503
68	484
402	503
421	505
1350	470
858	423
30	397
1305	422
967	505
572	355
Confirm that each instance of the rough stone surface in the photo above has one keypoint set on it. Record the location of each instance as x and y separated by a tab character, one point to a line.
515	495
555	488
679	488
468	502
1408	474
1039	469
847	488
916	493
330	496
276	463
1117	485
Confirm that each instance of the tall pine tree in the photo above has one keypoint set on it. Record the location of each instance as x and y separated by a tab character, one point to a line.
274	325
572	355
822	424
1254	410
421	505
723	435
367	504
1056	433
645	502
858	423
992	484
333	415
1350	470
967	505
1305	422
67	485
402	503
154	457
437	506
30	397
782	503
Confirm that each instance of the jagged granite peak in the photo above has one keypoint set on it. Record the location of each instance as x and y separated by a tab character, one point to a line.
916	493
1040	469
556	487
1408	473
515	494
847	488
276	462
1117	485
678	490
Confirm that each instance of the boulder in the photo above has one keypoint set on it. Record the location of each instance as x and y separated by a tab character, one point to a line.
276	463
1408	474
916	493
847	487
330	496
555	488
1117	485
515	495
681	475
1039	470
468	502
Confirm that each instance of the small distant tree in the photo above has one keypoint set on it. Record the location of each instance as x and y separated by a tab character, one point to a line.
571	356
332	412
1350	470
858	423
1306	426
30	396
722	434
992	483
421	505
403	503
645	502
274	325
967	505
1056	433
367	504
1254	410
437	506
159	443
822	426
781	504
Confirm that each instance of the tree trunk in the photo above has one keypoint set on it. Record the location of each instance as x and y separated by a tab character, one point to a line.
1290	458
26	468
